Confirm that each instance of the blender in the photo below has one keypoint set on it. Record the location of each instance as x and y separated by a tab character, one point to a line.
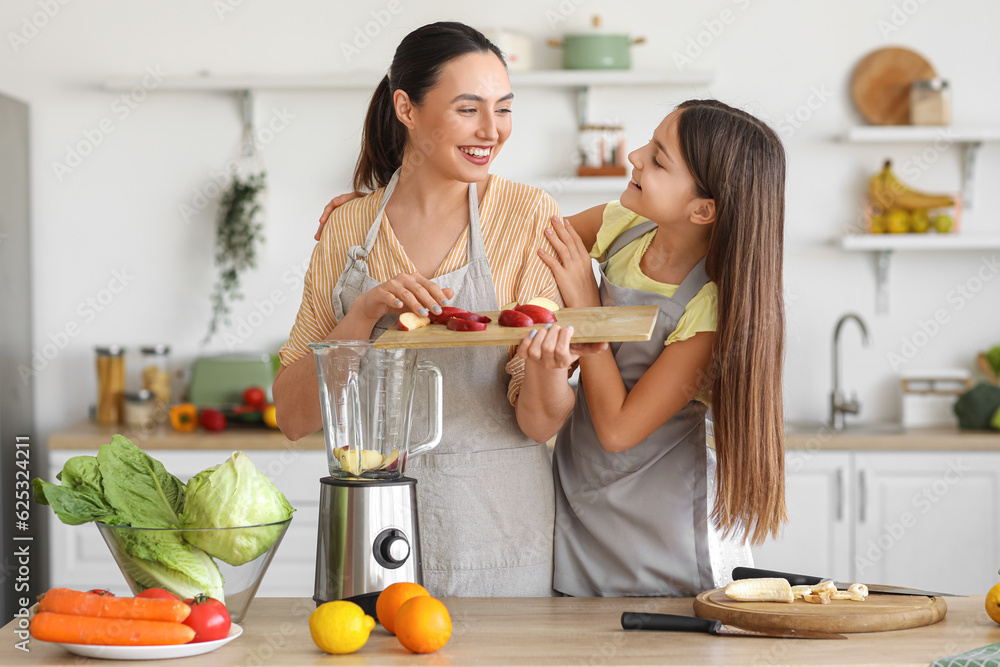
368	533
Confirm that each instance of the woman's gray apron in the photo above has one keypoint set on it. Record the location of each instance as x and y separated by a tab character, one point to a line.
484	494
636	523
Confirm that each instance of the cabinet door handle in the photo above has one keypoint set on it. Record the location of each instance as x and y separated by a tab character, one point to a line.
840	494
862	496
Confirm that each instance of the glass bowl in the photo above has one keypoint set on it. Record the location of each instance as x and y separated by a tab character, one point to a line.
168	558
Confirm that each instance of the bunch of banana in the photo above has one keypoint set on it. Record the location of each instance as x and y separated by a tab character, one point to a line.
888	192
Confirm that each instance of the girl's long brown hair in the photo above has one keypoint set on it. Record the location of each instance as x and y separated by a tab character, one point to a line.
739	162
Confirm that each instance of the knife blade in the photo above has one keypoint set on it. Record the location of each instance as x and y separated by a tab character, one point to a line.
808	580
632	620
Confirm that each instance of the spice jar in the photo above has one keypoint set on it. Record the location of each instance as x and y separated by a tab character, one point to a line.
602	151
930	102
139	409
156	378
110	384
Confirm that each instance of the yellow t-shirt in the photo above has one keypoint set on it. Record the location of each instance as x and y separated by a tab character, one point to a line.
702	312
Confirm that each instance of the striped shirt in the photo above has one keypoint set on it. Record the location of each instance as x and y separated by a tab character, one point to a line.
513	218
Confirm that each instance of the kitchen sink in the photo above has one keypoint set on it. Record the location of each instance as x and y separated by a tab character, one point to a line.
869	428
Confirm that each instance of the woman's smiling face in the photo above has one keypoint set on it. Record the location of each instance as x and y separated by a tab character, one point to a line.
464	119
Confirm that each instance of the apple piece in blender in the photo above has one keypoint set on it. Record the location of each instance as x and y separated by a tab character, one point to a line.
537	314
446	313
391	461
456	324
355	462
548	304
512	318
411	321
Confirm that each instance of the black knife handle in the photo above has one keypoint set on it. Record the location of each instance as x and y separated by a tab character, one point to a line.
633	620
793	579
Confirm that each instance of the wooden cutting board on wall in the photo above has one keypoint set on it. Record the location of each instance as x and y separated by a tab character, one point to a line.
880	85
875	614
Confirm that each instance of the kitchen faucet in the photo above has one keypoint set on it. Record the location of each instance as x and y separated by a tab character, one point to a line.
839	406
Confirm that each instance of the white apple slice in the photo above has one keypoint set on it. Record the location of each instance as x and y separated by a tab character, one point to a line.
354	464
370	459
543	302
411	321
389	462
510	306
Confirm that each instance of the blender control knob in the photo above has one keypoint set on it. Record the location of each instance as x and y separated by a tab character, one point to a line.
397	549
391	548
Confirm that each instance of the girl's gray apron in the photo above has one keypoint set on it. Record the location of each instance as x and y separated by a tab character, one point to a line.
636	523
484	494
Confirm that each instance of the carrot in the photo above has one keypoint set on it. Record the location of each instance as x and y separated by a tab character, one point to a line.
69	629
102	606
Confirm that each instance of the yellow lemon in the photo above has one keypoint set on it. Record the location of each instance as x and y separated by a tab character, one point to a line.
271	416
993	603
340	627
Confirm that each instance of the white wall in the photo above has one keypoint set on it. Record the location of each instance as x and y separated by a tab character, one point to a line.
119	210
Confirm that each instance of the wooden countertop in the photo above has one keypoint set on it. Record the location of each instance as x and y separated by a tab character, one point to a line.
561	631
88	435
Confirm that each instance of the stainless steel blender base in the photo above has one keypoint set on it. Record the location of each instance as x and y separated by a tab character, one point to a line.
368	538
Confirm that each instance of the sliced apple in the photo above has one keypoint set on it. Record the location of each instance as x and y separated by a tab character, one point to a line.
411	321
512	318
543	302
446	313
510	306
389	463
355	462
473	317
537	314
456	324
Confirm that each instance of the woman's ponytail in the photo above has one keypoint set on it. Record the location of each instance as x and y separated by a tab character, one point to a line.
382	142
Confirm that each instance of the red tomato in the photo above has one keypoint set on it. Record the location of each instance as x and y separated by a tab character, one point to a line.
157	593
254	397
212	420
209	618
101	591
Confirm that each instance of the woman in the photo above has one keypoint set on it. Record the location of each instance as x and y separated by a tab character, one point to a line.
438	229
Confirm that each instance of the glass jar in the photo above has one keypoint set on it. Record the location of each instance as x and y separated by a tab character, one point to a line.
110	384
139	409
930	102
602	150
155	376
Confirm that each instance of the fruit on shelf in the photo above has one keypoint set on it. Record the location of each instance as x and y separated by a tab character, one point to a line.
920	221
548	304
411	321
447	312
513	318
943	223
897	221
538	314
888	192
457	324
879	223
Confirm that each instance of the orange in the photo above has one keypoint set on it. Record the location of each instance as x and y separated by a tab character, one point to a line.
390	600
423	624
993	603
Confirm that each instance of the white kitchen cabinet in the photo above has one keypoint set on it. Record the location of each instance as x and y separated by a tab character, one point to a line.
82	561
920	519
817	538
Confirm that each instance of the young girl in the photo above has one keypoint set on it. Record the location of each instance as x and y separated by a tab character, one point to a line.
643	506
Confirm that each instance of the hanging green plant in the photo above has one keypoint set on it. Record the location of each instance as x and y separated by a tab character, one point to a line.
237	236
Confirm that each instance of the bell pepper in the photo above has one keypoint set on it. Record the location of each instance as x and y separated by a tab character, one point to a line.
184	417
212	420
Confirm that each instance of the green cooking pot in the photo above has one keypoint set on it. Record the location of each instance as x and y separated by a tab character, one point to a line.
597	50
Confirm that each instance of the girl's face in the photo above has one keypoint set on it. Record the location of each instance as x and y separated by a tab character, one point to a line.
464	119
662	188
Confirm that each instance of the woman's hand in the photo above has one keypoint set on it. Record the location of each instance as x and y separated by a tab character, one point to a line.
405	291
551	348
571	265
339	200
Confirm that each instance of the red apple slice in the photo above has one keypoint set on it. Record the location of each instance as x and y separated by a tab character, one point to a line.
512	318
473	317
411	321
447	312
456	324
537	314
543	302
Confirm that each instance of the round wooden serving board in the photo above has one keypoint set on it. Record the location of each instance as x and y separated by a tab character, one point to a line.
875	614
881	83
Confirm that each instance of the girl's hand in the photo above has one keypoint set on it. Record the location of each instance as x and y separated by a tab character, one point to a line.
551	347
405	291
339	200
571	265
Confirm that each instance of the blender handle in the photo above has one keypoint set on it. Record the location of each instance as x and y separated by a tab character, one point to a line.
434	408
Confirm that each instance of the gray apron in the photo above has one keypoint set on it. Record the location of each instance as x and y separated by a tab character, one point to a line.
636	522
484	494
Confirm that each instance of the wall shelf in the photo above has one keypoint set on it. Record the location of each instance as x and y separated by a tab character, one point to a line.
558	185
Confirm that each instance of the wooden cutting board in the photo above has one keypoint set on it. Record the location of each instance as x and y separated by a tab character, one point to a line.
880	85
875	614
592	325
